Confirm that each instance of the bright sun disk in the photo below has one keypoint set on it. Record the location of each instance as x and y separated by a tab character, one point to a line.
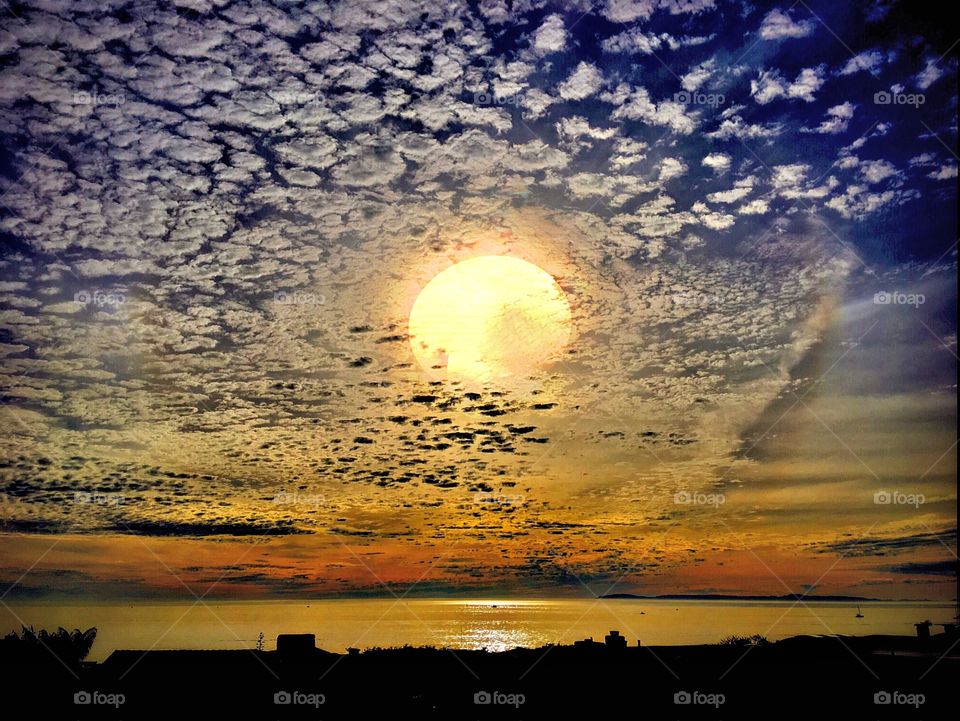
489	317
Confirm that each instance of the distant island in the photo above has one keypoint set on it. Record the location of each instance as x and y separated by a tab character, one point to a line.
728	597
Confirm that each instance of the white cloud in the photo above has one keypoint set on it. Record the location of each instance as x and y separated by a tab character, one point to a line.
717	162
923	159
837	120
945	172
627	152
876	171
577	127
789	176
698	75
857	202
754	207
929	75
551	37
770	85
536	102
712	219
740	191
735	127
671	168
638	106
807	83
940	171
869	60
583	82
635	40
778	25
627	11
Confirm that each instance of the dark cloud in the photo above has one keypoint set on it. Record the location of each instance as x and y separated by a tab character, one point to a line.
930	568
877	546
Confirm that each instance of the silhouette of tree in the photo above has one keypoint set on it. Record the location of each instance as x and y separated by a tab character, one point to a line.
71	647
735	640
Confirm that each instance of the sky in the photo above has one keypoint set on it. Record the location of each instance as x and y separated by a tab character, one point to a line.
216	217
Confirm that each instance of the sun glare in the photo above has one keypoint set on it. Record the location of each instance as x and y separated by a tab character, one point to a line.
489	317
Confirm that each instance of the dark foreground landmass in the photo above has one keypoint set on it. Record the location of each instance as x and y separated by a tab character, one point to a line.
726	597
803	677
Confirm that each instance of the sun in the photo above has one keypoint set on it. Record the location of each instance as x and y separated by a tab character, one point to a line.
489	317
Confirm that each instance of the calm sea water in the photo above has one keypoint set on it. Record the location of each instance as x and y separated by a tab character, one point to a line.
492	624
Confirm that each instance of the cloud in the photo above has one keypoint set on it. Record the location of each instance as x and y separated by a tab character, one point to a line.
928	568
754	207
741	189
770	85
671	168
637	105
884	545
778	25
947	171
644	43
718	162
837	120
551	36
583	82
857	202
875	171
627	11
698	75
712	219
929	75
736	127
868	60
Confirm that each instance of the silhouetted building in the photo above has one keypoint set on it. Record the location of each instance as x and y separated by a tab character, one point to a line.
950	629
923	629
296	644
615	640
587	643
